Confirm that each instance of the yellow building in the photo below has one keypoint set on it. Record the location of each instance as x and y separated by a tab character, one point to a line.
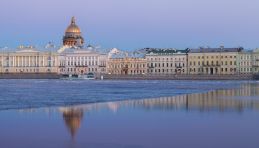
213	60
124	63
127	66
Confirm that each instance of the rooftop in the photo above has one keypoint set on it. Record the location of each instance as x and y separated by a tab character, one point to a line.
165	51
220	49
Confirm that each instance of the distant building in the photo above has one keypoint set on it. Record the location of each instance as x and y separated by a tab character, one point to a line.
124	63
255	61
214	60
245	62
28	60
166	61
81	61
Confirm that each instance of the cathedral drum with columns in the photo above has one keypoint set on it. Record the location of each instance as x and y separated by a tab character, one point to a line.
73	35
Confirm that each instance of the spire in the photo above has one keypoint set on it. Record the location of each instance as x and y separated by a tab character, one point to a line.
73	20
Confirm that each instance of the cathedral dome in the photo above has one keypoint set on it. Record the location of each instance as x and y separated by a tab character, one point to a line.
73	28
73	35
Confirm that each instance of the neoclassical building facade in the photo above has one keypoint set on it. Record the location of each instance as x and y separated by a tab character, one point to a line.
126	63
28	60
127	66
166	61
214	61
81	61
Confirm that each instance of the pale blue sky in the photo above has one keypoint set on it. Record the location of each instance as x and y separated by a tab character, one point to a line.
133	24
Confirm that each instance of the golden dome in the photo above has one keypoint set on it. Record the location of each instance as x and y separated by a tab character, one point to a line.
73	28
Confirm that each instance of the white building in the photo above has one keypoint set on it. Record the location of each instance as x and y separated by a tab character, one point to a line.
245	62
255	61
166	61
28	60
73	61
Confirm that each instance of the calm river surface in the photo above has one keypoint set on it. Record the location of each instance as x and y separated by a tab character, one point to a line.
129	114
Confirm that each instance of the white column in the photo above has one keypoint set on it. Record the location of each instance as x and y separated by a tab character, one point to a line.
29	61
43	65
18	59
2	60
22	61
35	57
13	62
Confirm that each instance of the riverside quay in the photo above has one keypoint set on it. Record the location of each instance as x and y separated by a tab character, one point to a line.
74	58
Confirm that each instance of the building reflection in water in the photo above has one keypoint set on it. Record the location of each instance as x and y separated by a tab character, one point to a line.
72	118
237	100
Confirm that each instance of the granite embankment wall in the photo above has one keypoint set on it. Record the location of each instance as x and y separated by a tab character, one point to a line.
133	77
180	77
29	76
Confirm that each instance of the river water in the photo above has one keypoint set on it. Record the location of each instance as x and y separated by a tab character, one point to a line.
128	114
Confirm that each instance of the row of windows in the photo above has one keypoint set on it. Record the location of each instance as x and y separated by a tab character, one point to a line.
25	64
167	59
165	70
90	63
211	57
245	63
78	70
166	65
129	72
81	58
245	57
199	63
137	71
216	70
245	69
131	66
27	70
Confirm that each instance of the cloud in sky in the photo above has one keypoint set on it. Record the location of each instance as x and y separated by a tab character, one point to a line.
133	24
